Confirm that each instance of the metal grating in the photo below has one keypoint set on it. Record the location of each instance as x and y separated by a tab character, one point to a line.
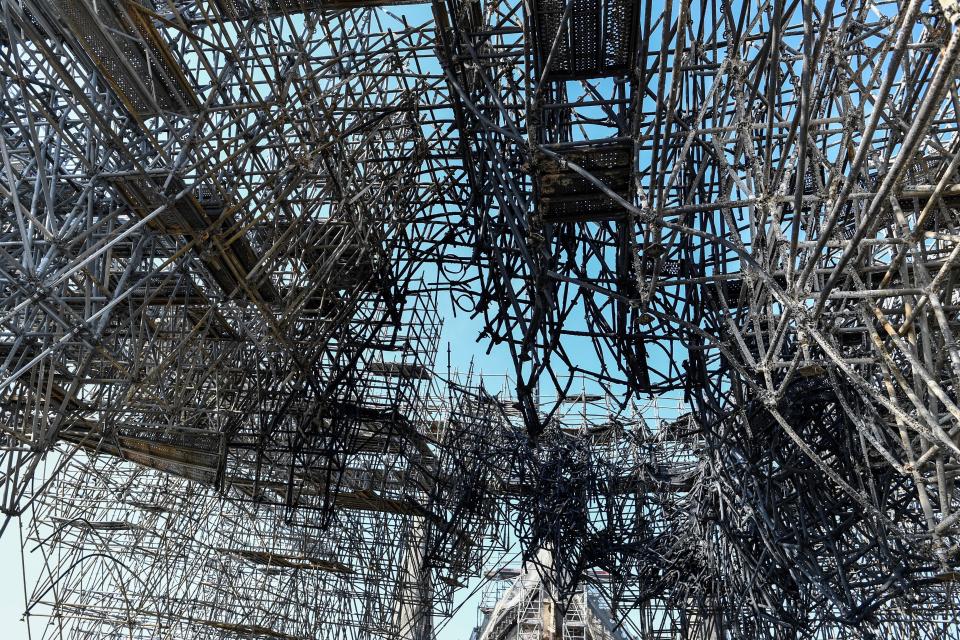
566	196
598	39
243	9
134	61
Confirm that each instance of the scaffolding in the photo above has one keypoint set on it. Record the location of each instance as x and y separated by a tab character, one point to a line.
718	241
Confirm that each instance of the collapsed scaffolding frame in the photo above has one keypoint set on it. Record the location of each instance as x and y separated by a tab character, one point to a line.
227	224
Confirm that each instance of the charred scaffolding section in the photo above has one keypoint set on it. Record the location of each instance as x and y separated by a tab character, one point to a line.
719	241
551	104
786	234
217	342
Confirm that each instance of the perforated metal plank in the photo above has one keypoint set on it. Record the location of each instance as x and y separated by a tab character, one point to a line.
194	454
130	54
288	561
598	39
244	9
566	196
399	370
190	216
